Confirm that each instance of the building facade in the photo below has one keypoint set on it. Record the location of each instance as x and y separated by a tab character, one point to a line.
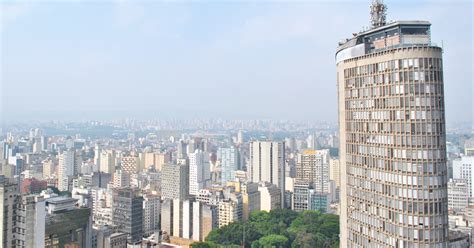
392	136
127	211
267	164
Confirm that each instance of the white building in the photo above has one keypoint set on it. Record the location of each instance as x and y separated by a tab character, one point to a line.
66	169
270	197
199	172
458	194
267	164
463	168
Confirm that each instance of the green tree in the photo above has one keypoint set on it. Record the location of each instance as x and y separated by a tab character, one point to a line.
271	241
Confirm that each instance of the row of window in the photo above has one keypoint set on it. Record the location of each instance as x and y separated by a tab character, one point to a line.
422	89
397	64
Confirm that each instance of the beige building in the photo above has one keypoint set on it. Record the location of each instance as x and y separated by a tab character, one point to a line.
313	168
107	161
250	197
49	168
130	163
269	196
392	137
335	171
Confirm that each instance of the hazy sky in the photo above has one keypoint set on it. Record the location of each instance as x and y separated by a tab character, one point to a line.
202	59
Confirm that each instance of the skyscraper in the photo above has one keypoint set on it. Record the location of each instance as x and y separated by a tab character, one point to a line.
65	169
128	213
229	163
199	171
8	200
313	168
175	181
267	164
392	136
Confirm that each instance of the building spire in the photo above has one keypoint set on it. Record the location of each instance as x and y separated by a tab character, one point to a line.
378	13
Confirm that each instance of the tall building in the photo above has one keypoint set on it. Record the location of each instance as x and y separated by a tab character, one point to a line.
175	181
334	171
458	194
229	163
392	136
65	169
130	163
151	213
267	164
199	171
8	200
107	161
30	224
128	213
463	168
188	219
250	197
66	224
270	196
313	168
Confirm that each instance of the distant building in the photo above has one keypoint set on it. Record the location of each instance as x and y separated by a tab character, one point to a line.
66	169
130	163
334	171
267	164
199	171
250	197
463	168
458	194
191	220
121	179
313	168
270	197
229	163
128	213
175	181
151	213
66	224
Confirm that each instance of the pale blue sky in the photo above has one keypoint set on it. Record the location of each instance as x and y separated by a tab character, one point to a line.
203	59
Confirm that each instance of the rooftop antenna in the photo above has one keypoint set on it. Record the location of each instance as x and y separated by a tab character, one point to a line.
378	13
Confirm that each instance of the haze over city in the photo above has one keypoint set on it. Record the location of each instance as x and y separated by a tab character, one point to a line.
80	60
236	124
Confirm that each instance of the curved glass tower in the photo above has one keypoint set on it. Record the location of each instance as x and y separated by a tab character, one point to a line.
392	131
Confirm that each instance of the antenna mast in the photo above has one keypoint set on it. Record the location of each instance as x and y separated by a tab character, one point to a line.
378	13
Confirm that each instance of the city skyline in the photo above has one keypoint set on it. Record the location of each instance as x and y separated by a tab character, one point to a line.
111	60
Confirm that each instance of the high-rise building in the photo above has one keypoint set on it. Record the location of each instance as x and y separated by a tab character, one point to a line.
463	168
250	196
107	161
267	164
175	181
458	194
151	213
334	171
392	136
30	224
229	163
65	169
66	224
130	163
128	213
270	196
8	200
199	171
313	168
120	179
